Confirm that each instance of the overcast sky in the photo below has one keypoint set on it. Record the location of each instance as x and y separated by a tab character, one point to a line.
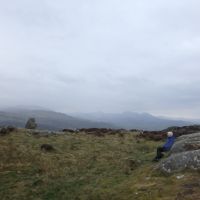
101	55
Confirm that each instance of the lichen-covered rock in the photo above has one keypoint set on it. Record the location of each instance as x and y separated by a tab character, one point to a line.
186	143
31	124
180	161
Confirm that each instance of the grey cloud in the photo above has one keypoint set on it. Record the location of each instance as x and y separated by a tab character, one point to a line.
107	56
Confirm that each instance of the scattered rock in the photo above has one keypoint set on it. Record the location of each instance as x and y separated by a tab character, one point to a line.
47	147
31	124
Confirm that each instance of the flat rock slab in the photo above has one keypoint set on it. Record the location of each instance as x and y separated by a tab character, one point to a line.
190	136
180	161
186	143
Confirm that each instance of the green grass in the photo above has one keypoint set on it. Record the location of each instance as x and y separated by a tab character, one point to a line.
86	167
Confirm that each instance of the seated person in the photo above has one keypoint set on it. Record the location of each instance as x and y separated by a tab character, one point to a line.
166	147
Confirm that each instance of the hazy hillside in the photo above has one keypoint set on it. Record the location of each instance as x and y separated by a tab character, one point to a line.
46	119
55	121
132	120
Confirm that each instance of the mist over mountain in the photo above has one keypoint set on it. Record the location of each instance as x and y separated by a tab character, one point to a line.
133	120
51	120
46	119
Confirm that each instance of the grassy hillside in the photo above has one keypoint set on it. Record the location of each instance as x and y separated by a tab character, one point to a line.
85	167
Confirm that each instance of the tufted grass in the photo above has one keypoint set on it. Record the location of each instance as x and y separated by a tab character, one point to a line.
85	167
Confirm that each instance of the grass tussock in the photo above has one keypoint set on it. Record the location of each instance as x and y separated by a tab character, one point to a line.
85	167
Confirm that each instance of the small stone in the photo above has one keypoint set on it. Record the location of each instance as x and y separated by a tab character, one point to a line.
180	176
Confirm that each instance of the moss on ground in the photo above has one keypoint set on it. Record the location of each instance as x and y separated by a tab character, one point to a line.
85	167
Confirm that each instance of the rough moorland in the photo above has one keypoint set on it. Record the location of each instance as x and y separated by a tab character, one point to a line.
81	166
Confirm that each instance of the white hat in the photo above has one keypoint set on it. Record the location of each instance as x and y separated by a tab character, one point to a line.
169	134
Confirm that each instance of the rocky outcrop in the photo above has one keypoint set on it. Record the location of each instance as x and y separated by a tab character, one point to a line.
185	154
186	143
31	124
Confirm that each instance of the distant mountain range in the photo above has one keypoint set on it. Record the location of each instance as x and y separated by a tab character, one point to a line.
46	119
133	120
51	120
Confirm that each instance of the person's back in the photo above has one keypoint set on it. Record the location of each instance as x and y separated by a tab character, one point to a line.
169	143
166	147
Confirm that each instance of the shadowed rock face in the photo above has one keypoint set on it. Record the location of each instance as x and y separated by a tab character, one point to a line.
185	154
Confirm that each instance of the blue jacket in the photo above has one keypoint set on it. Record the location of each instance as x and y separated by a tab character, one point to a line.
170	141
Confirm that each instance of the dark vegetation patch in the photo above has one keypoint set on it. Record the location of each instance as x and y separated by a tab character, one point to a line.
161	135
47	147
101	132
69	130
7	130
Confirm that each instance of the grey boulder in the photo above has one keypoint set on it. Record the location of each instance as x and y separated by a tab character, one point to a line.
180	161
185	154
186	143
